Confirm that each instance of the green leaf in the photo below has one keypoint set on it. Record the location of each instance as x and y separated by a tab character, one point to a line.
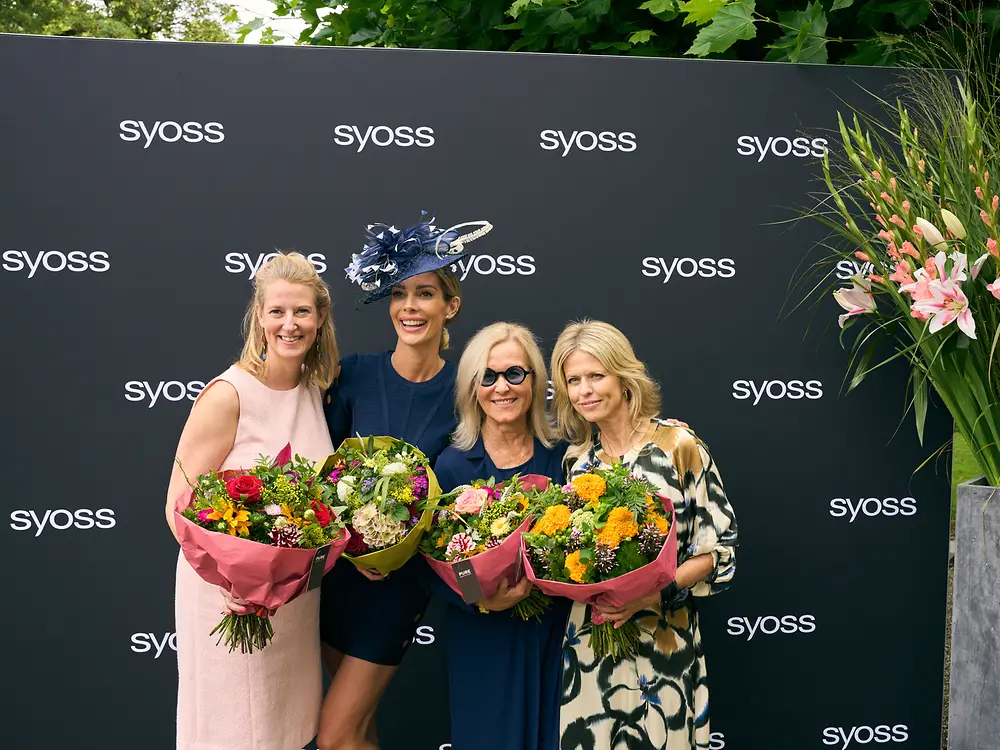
359	36
841	4
920	402
701	12
641	37
562	19
909	13
269	37
519	5
248	28
805	41
400	513
731	24
325	33
658	6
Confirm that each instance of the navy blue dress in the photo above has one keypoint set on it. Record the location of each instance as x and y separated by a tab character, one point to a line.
375	620
504	672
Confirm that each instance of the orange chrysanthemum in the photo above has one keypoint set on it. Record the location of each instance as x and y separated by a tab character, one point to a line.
621	525
556	518
655	519
575	567
590	487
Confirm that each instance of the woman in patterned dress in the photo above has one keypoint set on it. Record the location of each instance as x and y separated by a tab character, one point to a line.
606	406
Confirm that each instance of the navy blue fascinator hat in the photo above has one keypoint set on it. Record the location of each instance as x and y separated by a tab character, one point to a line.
392	255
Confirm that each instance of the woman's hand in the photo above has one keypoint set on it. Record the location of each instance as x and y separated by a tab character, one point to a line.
235	606
372	575
507	597
620	615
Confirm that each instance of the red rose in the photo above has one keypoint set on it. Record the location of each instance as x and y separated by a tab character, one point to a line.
322	513
245	487
355	545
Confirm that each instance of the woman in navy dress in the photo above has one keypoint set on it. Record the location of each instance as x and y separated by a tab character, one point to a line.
367	621
504	672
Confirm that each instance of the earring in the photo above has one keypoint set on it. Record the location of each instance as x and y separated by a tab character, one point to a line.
263	349
627	394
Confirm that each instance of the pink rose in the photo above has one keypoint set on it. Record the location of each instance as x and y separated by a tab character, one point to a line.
471	500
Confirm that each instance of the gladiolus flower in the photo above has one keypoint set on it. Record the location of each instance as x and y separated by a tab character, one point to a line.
892	182
905	205
862	257
876	278
886	197
996	202
991	245
881	220
978	265
986	218
857	300
972	168
898	222
947	304
994	288
876	175
979	193
920	165
953	223
930	232
885	234
907	248
901	274
986	176
893	252
918	231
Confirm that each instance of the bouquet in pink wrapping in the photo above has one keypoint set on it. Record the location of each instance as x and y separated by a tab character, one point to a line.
265	535
474	542
606	538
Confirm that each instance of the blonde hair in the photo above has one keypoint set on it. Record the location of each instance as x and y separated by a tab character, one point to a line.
470	373
612	349
321	366
450	289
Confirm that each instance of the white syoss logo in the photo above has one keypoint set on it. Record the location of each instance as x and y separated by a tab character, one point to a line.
403	136
424	635
54	261
841	507
752	145
169	131
777	390
586	140
61	519
843	737
169	390
848	268
250	265
487	265
770	625
149	642
716	741
686	268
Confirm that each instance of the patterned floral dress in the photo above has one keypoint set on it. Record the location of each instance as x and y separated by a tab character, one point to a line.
657	700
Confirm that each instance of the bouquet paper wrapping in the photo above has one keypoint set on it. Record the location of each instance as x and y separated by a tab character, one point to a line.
262	574
497	564
395	557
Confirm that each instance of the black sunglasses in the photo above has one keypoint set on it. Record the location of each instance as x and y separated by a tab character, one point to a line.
514	375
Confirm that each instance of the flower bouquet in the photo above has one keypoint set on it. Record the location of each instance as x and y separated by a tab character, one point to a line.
263	535
474	542
607	538
918	215
381	481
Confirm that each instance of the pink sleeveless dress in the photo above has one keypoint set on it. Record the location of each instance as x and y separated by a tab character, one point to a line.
268	700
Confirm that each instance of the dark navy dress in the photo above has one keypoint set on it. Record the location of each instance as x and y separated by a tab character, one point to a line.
504	672
375	620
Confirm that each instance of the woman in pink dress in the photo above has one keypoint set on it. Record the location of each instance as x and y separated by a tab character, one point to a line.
270	699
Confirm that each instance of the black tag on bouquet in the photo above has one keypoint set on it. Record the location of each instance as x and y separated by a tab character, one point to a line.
318	568
468	581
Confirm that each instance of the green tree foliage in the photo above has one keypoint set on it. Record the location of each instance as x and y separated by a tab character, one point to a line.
865	32
183	20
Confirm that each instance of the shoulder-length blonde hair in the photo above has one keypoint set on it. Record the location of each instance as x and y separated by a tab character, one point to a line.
612	349
322	362
470	373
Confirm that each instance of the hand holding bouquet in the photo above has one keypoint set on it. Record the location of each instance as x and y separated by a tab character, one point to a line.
607	538
483	526
380	481
228	517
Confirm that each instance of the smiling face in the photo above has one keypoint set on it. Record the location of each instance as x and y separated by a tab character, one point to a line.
593	391
418	309
502	402
290	320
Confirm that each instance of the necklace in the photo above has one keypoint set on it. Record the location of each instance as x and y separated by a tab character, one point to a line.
627	443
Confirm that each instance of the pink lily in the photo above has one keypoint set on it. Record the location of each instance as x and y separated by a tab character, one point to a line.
857	300
947	304
994	288
930	232
978	265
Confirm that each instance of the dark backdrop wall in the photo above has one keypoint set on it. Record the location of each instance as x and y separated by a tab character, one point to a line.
144	184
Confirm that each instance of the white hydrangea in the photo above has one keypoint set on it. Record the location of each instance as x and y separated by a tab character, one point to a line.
377	529
396	467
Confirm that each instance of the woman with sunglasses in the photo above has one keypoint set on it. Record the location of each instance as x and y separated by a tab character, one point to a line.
514	664
367	621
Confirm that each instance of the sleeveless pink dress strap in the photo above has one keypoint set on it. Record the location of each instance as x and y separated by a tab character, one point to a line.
268	700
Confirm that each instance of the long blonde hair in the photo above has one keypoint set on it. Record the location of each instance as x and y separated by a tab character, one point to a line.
322	363
612	349
450	289
470	372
